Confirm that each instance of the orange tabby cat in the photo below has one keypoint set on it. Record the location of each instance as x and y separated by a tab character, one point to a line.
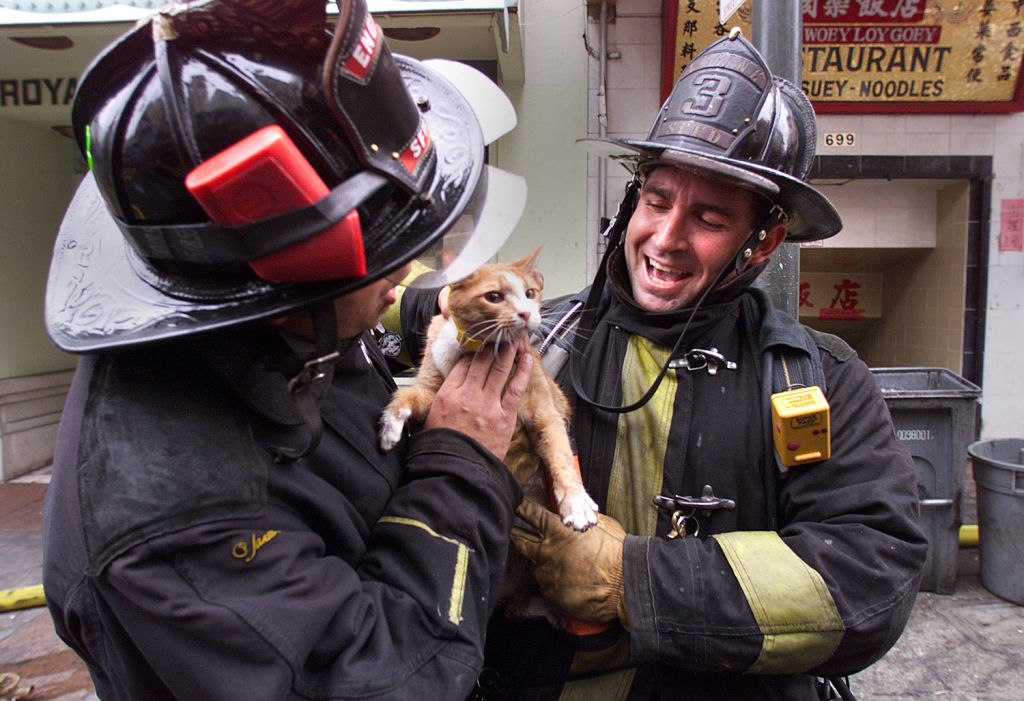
498	304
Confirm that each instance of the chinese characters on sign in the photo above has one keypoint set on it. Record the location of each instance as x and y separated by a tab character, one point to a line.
689	26
1011	224
841	296
884	55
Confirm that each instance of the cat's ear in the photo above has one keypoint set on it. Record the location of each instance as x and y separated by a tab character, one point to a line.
527	264
529	260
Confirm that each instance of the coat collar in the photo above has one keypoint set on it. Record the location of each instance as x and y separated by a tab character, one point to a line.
257	363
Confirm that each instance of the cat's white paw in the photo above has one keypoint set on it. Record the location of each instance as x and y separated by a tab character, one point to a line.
578	510
391	427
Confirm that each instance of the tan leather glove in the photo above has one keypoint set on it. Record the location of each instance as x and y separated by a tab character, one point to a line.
579	572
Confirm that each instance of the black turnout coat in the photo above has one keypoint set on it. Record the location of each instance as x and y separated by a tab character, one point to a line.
181	561
815	570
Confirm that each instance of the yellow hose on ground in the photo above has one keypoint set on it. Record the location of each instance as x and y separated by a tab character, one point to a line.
969	536
23	598
29	597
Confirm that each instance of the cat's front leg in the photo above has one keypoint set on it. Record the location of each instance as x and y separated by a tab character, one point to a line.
392	425
572	502
411	402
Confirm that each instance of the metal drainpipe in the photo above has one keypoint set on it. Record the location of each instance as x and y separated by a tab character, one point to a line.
776	33
602	131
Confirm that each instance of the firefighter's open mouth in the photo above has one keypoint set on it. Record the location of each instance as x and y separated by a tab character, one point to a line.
664	274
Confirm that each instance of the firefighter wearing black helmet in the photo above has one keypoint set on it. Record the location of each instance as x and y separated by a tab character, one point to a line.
724	568
220	522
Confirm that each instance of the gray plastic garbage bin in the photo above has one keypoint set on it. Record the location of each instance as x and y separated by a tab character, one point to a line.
935	414
999	473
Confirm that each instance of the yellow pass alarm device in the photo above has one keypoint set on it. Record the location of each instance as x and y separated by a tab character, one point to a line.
800	426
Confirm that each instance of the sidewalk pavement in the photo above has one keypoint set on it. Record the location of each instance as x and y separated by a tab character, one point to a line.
28	645
965	646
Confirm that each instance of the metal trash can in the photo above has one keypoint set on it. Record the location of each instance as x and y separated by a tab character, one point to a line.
935	414
999	474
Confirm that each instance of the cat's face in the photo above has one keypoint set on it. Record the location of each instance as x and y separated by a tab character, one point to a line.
498	303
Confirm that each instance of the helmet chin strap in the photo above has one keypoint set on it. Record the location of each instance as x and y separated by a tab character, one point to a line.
617	226
300	386
775	217
737	264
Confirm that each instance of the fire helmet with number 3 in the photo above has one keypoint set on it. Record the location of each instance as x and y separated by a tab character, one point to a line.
247	161
729	118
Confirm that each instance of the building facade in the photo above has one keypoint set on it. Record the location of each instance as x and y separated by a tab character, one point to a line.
928	270
926	273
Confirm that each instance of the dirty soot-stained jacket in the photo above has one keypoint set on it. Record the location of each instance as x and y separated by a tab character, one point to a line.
182	562
814	572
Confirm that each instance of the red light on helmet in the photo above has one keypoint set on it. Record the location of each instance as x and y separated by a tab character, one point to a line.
265	174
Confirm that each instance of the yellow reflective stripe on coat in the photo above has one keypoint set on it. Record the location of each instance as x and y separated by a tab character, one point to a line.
789	600
637	474
458	592
638	467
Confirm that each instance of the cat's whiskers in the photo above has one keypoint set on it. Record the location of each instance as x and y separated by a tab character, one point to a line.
556	313
494	331
551	317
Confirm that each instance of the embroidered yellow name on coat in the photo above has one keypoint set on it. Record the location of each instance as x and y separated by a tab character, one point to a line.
247	550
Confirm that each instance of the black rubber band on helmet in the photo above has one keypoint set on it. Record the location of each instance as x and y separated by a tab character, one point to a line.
206	242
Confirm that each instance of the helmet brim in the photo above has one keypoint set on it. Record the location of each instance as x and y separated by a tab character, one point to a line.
811	216
102	295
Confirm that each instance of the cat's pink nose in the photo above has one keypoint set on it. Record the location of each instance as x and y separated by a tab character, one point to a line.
525	316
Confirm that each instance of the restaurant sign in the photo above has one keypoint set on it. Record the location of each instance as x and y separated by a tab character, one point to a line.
881	56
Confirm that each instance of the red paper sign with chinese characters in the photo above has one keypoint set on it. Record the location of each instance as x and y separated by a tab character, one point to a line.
1011	225
879	56
841	296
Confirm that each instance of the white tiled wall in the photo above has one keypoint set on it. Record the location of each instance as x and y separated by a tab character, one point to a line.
1003	412
633	99
901	214
918	327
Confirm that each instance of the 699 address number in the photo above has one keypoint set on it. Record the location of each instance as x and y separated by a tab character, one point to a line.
840	138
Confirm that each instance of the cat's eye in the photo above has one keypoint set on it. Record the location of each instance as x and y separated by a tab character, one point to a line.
493	297
531	293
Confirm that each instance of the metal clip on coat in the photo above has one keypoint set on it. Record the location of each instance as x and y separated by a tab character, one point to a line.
684	509
700	358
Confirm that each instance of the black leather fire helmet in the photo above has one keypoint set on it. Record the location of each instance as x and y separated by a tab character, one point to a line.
399	141
729	118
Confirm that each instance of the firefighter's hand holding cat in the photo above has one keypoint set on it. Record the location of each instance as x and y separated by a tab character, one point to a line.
579	572
481	395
